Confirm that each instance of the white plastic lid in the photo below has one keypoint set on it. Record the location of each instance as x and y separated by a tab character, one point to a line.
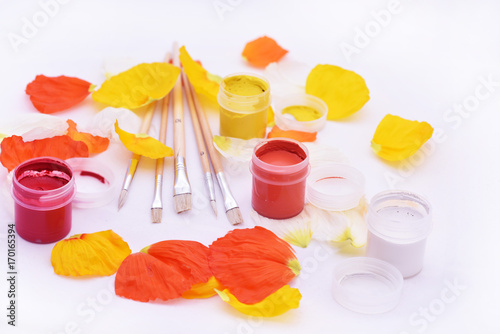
288	122
367	285
95	182
335	187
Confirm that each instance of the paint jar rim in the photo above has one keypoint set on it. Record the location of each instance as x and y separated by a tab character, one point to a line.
367	285
46	199
312	101
396	230
331	200
93	168
280	175
228	100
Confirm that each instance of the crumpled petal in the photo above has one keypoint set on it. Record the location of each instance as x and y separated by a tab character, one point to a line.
143	144
203	290
138	86
252	263
345	92
301	136
397	138
51	94
339	226
95	144
99	253
296	230
34	126
287	77
263	51
235	148
281	301
144	278
103	123
14	150
203	82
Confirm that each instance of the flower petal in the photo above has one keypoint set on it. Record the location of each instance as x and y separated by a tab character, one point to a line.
263	51
143	144
51	94
99	253
397	138
14	150
203	82
138	86
144	278
279	302
252	263
293	134
96	144
203	290
344	91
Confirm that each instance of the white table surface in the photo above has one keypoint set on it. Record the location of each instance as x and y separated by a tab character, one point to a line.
428	58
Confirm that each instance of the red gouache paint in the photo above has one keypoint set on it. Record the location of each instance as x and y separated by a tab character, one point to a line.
43	189
279	167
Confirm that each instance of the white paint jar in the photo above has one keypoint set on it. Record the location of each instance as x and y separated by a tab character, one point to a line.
399	223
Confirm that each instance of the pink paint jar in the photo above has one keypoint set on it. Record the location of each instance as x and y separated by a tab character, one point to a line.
43	189
279	167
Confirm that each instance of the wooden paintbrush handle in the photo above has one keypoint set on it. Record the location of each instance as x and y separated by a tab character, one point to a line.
179	144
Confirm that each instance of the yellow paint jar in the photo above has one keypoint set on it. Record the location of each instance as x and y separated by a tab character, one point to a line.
244	101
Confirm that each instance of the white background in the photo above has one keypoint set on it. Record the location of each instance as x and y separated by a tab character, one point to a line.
430	57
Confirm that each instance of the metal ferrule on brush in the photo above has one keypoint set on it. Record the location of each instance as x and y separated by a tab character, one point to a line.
157	202
210	185
229	201
181	184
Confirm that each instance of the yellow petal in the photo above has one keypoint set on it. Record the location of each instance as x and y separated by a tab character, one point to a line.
344	91
203	290
99	253
299	236
286	298
203	82
138	86
143	144
397	138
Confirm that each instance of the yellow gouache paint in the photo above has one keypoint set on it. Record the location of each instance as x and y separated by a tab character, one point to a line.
244	103
302	113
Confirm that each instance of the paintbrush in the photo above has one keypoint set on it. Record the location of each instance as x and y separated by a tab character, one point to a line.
205	163
157	205
182	188
135	157
233	212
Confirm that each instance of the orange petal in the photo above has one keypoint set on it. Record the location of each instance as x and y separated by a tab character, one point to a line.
99	253
14	150
96	144
293	134
185	255
263	51
51	94
203	290
252	263
144	278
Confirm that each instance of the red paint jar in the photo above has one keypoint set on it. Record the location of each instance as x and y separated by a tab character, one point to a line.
43	189
279	167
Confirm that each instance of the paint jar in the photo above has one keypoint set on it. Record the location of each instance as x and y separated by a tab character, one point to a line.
244	101
43	189
279	167
311	108
399	223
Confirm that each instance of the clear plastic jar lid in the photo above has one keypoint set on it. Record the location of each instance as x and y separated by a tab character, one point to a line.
288	122
367	285
335	187
95	183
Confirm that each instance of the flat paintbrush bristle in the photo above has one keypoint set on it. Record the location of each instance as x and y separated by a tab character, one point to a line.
182	202
122	198
156	215
234	216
